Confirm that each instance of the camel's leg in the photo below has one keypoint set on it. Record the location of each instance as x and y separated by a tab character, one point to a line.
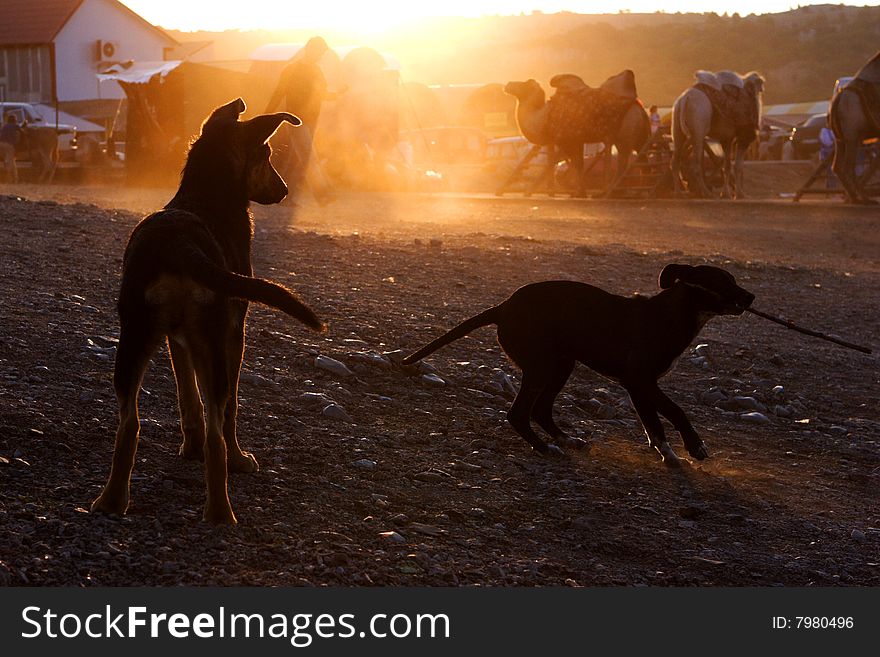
696	173
678	150
726	175
844	167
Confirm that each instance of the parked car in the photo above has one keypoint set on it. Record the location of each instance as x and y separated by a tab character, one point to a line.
26	113
771	140
804	137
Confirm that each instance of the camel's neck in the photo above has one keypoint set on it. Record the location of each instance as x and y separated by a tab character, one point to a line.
759	105
531	117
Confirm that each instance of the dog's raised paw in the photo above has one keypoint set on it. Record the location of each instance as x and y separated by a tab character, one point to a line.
555	451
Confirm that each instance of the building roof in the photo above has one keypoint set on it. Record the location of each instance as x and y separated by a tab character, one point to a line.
32	22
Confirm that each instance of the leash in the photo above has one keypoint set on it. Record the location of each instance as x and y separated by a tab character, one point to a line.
787	323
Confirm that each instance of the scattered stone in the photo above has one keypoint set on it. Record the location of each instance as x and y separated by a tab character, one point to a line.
777	360
432	380
317	398
429	477
778	390
428	530
476	512
392	536
712	396
480	393
332	365
365	464
858	535
395	356
336	412
782	411
424	368
506	384
257	380
755	417
372	358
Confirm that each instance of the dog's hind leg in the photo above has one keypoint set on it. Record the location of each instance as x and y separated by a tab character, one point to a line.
542	411
192	412
132	355
645	402
672	412
237	460
520	412
207	351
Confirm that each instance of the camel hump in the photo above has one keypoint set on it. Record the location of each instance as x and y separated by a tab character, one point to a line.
871	70
568	83
622	84
707	78
730	78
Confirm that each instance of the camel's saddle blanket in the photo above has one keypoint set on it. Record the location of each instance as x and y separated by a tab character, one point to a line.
587	115
734	103
869	94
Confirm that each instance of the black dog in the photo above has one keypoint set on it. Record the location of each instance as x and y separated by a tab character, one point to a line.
545	328
187	278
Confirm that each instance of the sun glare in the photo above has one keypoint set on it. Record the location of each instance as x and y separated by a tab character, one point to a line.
378	16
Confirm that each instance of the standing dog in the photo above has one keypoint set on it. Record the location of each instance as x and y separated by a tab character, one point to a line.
545	328
187	278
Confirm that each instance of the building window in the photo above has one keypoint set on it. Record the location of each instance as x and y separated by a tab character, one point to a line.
26	74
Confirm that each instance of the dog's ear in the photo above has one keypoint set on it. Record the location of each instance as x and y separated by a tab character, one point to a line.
671	274
225	114
260	128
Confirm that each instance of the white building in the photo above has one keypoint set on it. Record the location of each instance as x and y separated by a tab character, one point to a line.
51	50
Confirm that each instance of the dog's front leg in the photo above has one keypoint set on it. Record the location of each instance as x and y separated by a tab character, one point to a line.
672	412
645	403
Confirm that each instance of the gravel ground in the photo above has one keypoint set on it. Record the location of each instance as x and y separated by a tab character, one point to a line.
370	475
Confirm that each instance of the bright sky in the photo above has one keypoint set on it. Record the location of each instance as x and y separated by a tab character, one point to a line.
376	15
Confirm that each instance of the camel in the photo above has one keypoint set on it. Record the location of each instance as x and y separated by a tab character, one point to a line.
41	144
854	117
695	117
627	129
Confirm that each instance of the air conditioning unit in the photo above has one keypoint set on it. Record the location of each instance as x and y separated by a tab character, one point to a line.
106	50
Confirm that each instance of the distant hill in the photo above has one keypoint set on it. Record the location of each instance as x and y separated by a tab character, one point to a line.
800	52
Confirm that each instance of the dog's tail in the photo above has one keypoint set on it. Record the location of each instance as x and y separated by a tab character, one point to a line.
485	318
215	278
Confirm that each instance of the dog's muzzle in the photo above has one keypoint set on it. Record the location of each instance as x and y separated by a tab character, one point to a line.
745	300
